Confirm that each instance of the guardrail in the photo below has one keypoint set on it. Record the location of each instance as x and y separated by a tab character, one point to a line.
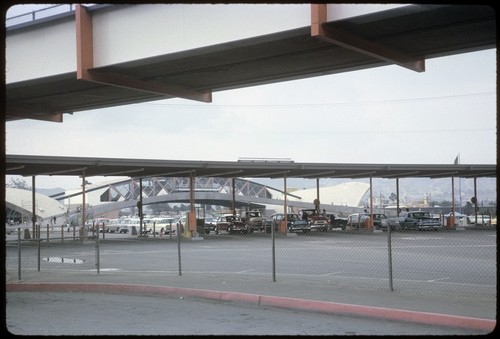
39	14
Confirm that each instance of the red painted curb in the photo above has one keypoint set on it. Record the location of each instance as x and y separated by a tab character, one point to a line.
262	300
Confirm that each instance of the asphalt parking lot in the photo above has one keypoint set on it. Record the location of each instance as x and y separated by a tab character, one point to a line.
452	263
319	267
77	313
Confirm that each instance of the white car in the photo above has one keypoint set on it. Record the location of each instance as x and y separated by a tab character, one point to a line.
482	219
162	225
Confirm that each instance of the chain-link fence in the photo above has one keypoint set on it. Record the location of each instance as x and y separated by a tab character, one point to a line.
459	263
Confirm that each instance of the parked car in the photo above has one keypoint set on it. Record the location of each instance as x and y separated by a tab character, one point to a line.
294	223
121	225
254	219
181	220
231	224
419	220
336	221
91	225
162	225
318	221
482	220
147	226
380	221
210	224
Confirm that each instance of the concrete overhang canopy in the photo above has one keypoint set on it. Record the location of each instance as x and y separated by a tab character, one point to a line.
31	165
417	31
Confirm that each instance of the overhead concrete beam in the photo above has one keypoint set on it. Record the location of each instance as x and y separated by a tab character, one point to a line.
357	43
85	67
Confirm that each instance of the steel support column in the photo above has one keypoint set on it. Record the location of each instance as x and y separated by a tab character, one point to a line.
141	216
83	199
452	214
397	197
233	192
317	194
285	205
475	201
371	204
33	206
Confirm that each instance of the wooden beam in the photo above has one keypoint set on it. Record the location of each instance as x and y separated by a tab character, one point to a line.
359	44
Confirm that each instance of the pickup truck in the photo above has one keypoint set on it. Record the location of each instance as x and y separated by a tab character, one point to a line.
417	220
337	221
253	219
317	220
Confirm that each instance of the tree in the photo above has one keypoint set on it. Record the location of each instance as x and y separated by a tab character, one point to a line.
445	203
469	208
18	183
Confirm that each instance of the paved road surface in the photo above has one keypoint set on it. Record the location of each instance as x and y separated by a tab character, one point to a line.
50	313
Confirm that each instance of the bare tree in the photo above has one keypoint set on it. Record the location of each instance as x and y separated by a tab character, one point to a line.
18	183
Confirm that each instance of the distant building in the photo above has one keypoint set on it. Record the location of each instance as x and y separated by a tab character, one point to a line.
346	194
19	206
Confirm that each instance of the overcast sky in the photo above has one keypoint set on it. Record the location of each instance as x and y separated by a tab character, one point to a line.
382	115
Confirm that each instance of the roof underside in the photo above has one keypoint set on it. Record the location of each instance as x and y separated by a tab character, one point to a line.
420	31
27	165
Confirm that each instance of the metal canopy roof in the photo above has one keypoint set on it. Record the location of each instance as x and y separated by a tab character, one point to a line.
30	165
417	31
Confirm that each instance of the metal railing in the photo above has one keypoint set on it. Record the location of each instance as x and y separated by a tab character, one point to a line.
39	14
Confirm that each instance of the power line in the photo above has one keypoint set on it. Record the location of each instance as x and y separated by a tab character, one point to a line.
333	104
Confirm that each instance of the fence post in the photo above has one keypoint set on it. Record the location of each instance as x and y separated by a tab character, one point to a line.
389	250
273	250
178	246
97	248
19	253
39	242
48	234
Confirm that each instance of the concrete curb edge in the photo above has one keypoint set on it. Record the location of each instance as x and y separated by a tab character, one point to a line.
263	300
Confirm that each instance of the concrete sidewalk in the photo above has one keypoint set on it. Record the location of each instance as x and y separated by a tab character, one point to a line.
421	309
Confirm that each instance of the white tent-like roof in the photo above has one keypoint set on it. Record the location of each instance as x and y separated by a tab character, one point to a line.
21	201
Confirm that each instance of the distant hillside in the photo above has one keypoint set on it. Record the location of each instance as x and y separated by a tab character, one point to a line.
409	188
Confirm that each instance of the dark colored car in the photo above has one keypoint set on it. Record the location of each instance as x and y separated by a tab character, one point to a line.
419	220
294	223
231	224
336	221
